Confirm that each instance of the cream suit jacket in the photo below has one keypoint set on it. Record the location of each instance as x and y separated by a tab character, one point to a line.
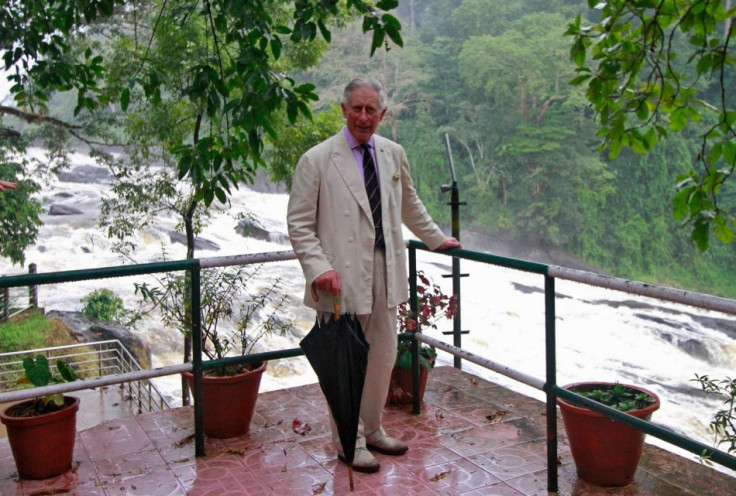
330	223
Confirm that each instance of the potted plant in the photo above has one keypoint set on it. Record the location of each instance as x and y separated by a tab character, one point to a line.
233	321
41	431
606	452
432	305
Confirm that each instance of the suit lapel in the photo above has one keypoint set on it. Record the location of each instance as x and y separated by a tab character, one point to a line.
343	160
385	166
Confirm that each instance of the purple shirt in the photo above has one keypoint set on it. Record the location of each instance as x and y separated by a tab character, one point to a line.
358	151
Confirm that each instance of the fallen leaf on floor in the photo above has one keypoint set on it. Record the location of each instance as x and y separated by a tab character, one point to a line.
234	451
300	427
440	476
495	417
51	490
319	488
439	415
184	441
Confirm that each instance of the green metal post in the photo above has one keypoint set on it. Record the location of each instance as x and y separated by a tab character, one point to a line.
550	347
456	321
455	228
197	362
413	305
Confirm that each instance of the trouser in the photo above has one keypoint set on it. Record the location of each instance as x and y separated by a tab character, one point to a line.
379	329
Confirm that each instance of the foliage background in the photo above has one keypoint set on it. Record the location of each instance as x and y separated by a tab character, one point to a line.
492	74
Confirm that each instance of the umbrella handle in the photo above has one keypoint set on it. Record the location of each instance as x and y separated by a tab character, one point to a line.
335	301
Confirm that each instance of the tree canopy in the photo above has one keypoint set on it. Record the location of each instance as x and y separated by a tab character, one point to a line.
653	68
206	76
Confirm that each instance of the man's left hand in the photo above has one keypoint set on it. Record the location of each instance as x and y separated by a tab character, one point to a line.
449	243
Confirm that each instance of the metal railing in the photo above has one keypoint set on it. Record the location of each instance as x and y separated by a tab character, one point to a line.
93	360
17	302
548	385
196	366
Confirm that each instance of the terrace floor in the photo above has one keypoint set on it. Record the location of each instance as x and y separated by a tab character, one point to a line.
473	437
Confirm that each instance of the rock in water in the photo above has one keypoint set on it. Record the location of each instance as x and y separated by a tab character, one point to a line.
87	329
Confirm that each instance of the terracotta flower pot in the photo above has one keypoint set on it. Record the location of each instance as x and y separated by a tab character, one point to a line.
400	390
229	401
42	445
606	452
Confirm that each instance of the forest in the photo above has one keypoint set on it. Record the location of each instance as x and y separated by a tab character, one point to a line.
494	76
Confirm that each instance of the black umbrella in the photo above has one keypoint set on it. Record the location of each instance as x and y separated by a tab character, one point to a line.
338	352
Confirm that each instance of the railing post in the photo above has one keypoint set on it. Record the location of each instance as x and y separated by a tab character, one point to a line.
456	320
551	365
414	308
6	304
32	289
197	362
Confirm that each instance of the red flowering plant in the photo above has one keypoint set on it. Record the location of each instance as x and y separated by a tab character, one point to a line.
432	306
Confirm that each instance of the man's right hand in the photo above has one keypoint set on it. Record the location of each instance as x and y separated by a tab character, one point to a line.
329	282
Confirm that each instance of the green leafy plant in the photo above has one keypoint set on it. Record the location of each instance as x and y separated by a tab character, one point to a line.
617	396
105	305
38	373
723	423
432	306
233	319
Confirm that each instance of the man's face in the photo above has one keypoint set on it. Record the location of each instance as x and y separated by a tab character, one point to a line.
363	113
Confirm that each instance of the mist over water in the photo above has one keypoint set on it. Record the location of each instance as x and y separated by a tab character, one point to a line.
601	334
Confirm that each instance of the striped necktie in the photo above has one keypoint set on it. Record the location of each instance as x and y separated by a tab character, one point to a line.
374	193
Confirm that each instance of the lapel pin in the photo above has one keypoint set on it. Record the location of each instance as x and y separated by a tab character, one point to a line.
397	176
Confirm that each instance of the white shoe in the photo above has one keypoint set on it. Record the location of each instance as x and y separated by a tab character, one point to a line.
385	444
363	461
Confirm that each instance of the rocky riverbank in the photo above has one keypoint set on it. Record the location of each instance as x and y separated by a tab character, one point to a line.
86	330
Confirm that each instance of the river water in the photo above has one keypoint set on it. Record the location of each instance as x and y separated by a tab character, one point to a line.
602	334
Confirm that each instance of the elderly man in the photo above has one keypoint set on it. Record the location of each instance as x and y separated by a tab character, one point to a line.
350	195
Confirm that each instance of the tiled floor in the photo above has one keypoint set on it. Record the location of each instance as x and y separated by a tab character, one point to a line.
472	438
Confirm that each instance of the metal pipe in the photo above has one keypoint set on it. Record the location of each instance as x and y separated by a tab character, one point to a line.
252	258
699	300
108	380
483	362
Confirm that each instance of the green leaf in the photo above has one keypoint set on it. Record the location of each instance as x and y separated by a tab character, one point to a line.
326	34
221	195
106	7
276	48
403	361
37	370
125	99
378	37
715	153
681	203
67	373
392	26
614	149
700	235
729	152
387	4
580	79
722	231
577	52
